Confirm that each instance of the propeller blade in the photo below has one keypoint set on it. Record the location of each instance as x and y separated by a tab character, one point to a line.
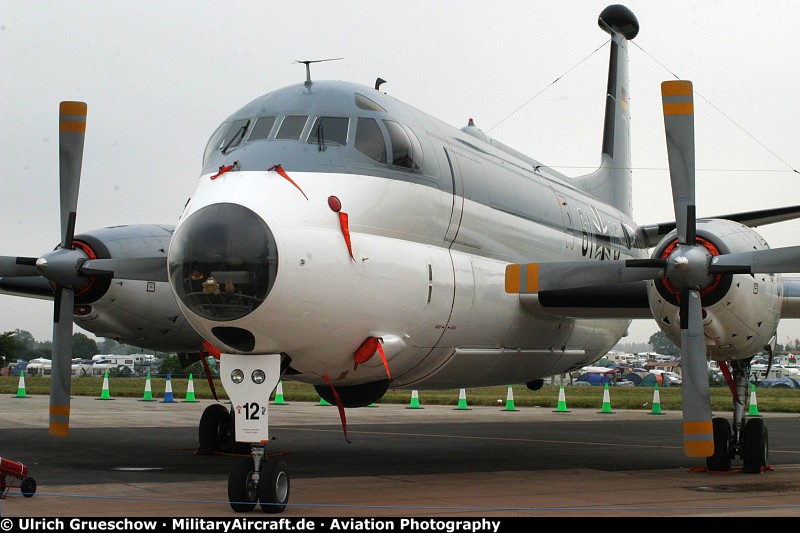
698	431
18	266
536	277
72	131
144	268
678	103
61	373
758	261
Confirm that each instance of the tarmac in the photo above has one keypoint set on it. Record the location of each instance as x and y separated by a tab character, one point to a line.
128	458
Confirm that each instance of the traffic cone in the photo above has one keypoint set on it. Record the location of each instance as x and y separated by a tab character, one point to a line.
279	395
168	392
510	400
105	394
656	402
753	403
414	401
190	391
562	401
21	387
462	401
606	401
148	391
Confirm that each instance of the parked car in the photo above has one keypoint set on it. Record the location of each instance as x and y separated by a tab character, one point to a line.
780	383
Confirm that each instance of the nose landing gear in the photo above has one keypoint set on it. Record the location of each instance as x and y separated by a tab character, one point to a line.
258	479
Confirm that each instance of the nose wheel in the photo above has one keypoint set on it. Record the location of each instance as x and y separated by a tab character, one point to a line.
256	479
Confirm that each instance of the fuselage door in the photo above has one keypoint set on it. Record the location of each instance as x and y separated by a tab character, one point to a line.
458	197
569	228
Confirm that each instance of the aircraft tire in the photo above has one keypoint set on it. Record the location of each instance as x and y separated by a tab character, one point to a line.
273	487
27	486
215	430
721	460
755	446
242	493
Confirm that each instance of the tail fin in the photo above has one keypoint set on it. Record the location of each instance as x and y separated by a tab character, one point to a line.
611	183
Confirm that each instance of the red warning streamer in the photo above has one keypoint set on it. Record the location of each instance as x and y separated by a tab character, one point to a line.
385	362
343	222
279	169
340	406
223	170
723	366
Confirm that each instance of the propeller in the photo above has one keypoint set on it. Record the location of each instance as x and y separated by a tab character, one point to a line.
68	269
687	266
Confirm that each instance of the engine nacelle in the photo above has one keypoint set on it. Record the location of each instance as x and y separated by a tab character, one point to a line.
360	395
740	311
139	313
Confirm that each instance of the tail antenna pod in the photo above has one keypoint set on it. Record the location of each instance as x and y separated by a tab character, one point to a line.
308	62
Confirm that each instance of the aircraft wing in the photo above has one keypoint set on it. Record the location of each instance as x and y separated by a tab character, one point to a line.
622	300
752	219
791	298
27	286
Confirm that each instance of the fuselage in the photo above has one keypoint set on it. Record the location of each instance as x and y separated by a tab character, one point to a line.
433	215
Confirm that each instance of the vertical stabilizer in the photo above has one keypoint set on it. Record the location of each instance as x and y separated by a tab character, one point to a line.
611	183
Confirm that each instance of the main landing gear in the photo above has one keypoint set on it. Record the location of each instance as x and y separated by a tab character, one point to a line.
747	439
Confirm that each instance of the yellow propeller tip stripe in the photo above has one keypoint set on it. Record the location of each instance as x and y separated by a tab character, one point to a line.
59	429
676	88
73	108
698	449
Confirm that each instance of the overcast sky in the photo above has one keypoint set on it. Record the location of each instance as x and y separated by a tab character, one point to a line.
160	77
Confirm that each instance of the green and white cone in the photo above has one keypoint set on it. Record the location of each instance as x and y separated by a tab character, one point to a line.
279	395
148	391
105	394
21	386
510	400
414	400
562	401
753	411
190	391
656	402
462	401
606	400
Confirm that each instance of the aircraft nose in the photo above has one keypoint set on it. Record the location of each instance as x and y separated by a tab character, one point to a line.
222	262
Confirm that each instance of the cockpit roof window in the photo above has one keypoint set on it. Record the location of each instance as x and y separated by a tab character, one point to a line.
365	103
369	139
406	148
261	128
329	130
214	141
234	135
291	127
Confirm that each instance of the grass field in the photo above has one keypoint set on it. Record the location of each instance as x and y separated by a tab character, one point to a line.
767	400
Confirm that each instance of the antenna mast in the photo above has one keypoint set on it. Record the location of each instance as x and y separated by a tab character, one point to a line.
308	62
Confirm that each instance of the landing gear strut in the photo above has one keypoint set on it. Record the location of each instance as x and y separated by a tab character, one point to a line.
747	439
249	380
257	479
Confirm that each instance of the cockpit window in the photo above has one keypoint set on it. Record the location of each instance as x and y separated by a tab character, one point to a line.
329	130
261	128
406	148
365	103
214	141
369	140
234	135
292	127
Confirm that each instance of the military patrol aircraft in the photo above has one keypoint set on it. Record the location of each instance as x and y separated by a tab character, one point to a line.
342	238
